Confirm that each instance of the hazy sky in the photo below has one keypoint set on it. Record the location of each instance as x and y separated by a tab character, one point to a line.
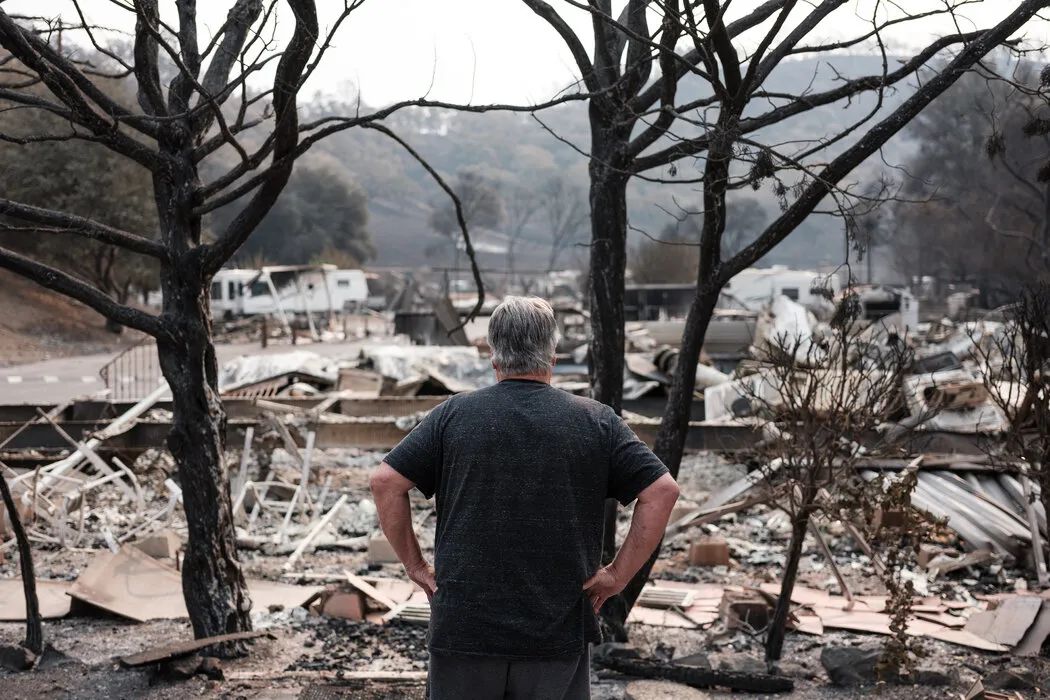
491	50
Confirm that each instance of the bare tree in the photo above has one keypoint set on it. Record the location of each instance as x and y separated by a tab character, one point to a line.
821	397
203	110
519	203
639	127
566	214
481	204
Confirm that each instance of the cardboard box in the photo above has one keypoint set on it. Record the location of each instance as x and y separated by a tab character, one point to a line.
380	551
709	551
347	605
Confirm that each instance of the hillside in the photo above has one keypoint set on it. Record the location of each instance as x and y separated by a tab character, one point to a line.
517	150
37	324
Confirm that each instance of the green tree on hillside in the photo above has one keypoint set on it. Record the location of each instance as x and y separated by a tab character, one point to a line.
481	202
983	225
320	212
82	179
673	256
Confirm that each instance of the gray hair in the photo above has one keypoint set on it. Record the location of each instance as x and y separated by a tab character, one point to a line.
523	335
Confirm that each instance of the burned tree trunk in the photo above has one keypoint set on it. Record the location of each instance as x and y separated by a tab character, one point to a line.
607	271
212	581
608	265
34	641
669	447
608	260
778	625
670	441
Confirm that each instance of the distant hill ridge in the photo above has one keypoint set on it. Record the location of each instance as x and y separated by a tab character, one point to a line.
514	148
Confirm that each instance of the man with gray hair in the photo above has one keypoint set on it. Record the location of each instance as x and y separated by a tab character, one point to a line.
521	472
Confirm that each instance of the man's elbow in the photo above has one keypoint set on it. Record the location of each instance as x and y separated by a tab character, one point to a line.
671	491
663	492
376	482
381	482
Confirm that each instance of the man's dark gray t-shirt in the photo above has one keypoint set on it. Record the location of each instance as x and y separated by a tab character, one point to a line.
521	471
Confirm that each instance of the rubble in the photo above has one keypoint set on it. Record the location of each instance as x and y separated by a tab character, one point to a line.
323	576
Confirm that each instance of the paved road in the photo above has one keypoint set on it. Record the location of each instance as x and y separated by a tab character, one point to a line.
55	381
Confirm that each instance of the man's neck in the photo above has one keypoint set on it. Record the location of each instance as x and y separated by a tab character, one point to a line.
544	378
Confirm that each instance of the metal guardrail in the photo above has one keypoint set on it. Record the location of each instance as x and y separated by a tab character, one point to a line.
134	373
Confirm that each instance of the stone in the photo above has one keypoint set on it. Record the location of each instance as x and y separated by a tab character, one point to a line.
709	551
186	667
380	551
1016	678
17	658
661	690
850	667
211	668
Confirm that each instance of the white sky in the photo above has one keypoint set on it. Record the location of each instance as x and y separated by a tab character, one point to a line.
492	50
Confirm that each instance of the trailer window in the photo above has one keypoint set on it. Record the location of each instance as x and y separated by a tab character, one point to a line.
231	290
343	283
260	289
790	292
216	290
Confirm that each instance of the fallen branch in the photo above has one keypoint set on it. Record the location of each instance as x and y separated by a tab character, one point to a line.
698	677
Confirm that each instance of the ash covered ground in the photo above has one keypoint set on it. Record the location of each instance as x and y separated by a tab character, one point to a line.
311	654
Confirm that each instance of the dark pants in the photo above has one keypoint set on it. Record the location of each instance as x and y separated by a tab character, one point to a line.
481	678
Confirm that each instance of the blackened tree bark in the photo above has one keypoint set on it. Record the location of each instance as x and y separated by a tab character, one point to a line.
34	640
608	266
213	584
778	623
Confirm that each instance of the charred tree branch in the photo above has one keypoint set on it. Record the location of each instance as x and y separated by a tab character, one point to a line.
66	284
82	227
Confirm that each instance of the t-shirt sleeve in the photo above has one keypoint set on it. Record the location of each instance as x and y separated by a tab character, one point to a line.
418	456
633	466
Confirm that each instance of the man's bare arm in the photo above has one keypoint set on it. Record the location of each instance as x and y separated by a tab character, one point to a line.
647	528
390	492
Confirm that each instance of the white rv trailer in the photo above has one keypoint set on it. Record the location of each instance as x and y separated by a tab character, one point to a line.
287	290
227	292
756	287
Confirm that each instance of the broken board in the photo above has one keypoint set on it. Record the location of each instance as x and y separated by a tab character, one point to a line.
174	651
1008	621
51	595
131	584
1032	642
